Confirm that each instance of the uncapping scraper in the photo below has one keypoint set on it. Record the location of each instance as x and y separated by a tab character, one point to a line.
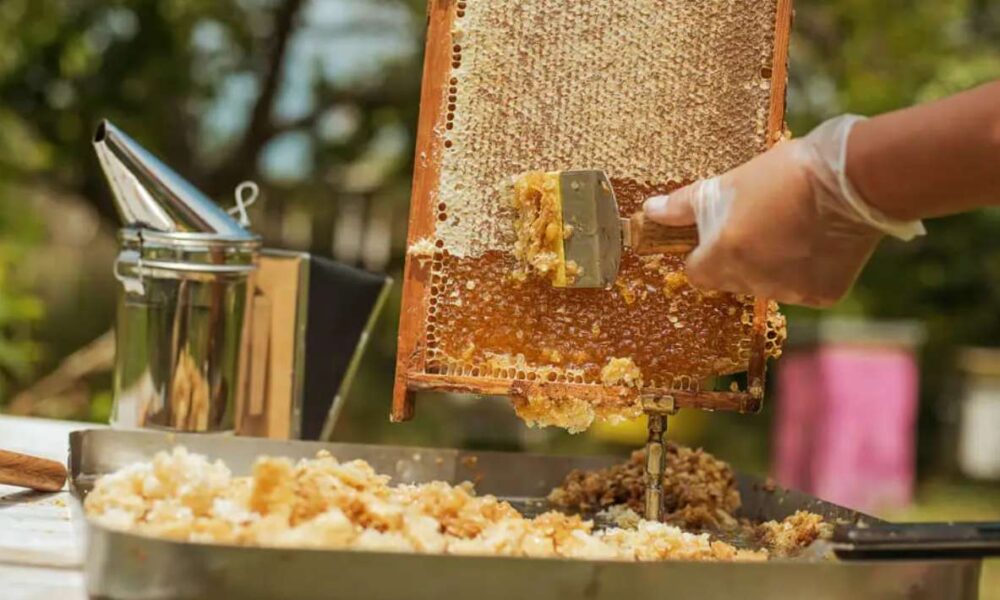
589	234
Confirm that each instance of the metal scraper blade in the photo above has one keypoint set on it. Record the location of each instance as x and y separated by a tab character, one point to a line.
595	240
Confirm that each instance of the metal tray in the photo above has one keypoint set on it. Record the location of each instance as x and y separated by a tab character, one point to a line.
123	565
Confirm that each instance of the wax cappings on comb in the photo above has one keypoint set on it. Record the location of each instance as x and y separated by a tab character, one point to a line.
659	94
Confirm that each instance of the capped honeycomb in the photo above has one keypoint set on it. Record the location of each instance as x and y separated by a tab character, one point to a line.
657	93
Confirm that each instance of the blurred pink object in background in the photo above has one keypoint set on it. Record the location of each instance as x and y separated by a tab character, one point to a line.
846	414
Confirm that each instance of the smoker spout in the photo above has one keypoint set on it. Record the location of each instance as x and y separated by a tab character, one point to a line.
150	194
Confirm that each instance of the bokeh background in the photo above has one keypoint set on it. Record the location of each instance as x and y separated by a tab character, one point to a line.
317	101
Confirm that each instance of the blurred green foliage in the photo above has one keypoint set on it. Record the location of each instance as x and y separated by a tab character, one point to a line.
19	307
20	230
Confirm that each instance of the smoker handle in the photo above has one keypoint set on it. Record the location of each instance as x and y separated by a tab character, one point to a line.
918	540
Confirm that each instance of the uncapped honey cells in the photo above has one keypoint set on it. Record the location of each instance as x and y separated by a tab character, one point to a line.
502	315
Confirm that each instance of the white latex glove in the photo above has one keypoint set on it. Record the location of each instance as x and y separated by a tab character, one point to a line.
787	225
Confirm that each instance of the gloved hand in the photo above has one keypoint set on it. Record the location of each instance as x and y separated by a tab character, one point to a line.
787	225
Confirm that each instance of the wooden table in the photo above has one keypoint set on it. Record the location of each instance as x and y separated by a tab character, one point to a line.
40	547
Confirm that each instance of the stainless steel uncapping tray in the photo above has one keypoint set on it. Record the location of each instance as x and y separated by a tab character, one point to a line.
123	565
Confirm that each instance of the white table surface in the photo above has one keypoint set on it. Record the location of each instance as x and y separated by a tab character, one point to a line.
40	548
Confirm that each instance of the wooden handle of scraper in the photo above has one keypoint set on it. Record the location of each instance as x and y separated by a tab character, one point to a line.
32	472
647	237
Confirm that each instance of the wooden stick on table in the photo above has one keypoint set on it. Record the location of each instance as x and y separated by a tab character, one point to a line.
32	472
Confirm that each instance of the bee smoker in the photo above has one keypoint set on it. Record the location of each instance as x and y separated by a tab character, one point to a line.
184	266
214	332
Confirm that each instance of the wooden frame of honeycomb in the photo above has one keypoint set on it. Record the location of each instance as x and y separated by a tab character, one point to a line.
466	326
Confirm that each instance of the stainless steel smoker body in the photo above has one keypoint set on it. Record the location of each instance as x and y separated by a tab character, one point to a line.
180	329
184	267
124	565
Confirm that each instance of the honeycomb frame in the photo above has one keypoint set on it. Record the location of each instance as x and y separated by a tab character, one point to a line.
417	368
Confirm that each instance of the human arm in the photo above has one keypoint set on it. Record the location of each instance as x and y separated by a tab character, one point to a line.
798	222
932	159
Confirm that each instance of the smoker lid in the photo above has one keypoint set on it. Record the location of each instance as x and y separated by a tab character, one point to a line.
159	253
151	195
